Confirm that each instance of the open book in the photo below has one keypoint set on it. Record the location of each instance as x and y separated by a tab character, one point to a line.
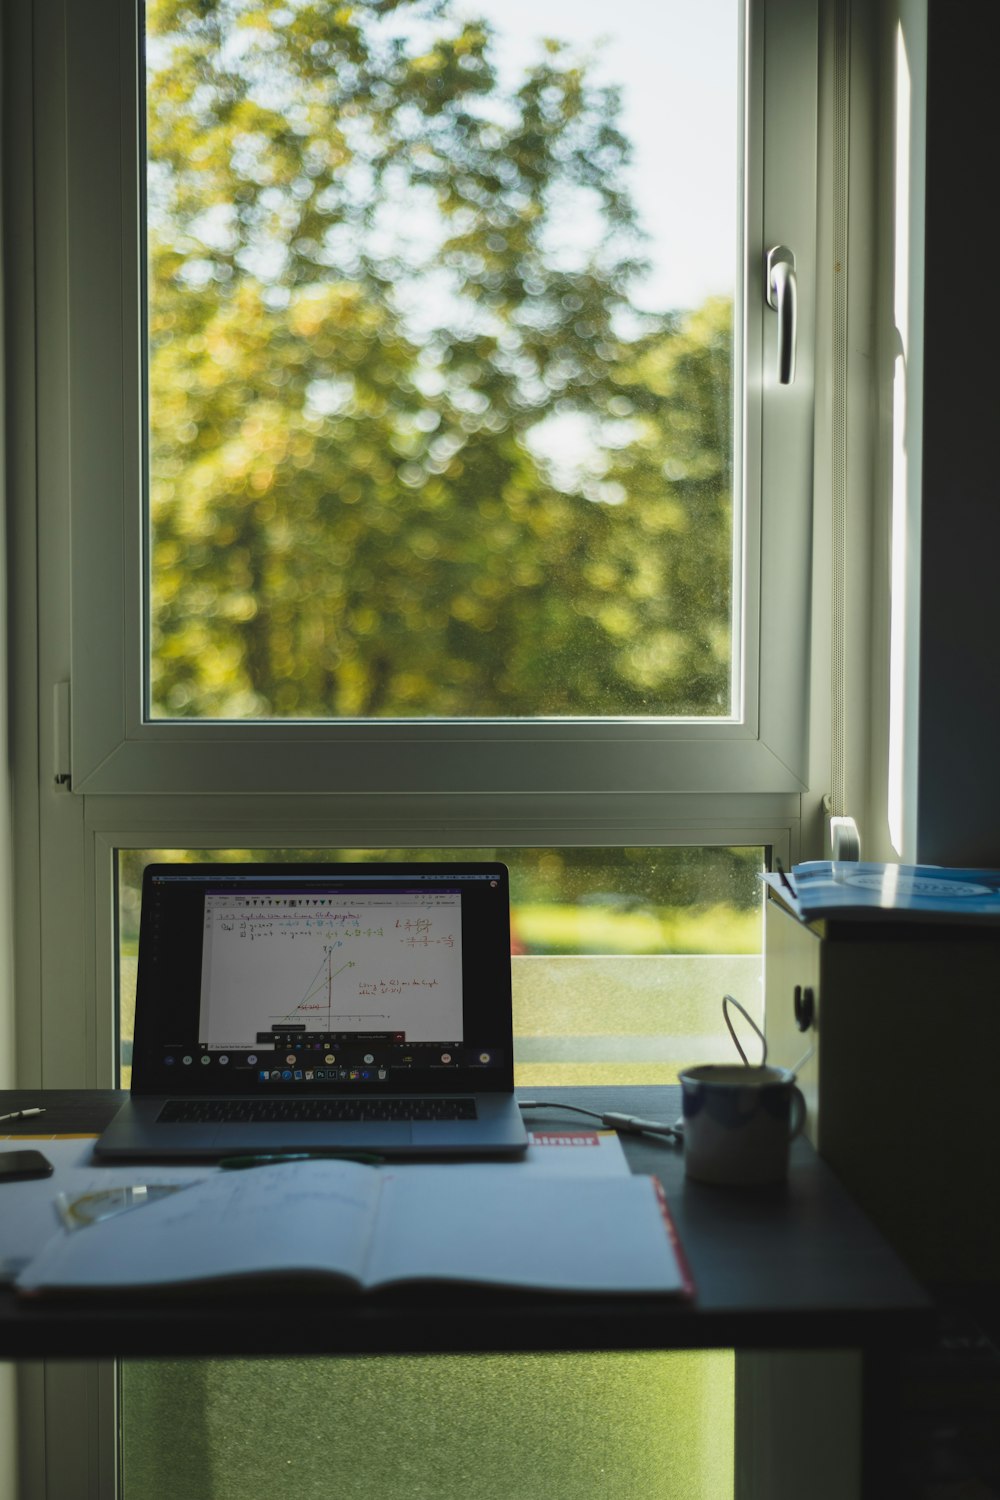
374	1227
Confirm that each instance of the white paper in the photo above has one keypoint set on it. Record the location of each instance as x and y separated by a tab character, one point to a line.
559	1234
295	1217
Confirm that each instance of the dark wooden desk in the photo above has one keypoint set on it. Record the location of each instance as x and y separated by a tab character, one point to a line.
797	1280
800	1267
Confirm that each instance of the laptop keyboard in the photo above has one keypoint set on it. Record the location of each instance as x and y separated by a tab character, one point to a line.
308	1111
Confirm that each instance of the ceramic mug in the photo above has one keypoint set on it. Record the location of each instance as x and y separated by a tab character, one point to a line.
739	1122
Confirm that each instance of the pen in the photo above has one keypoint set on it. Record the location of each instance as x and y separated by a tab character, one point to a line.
238	1163
21	1114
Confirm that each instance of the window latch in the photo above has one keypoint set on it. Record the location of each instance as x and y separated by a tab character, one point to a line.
780	291
63	767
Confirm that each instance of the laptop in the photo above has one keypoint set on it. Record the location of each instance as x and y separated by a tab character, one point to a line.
321	1008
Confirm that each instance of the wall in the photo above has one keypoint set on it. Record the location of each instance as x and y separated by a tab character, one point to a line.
6	968
8	1408
958	737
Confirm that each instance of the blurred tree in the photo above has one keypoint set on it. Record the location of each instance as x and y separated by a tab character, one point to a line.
365	322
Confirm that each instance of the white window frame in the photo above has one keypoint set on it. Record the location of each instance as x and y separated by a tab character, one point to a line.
114	751
75	557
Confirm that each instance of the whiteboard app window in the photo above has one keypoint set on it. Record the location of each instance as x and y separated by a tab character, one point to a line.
324	968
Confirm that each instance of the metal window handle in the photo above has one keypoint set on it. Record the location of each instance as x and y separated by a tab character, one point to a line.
780	290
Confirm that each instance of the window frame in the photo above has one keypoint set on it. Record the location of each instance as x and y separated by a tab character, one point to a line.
168	785
763	747
609	783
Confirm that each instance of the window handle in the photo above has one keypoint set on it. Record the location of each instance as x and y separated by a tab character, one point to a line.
780	293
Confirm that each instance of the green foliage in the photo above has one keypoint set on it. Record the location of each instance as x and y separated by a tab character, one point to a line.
365	317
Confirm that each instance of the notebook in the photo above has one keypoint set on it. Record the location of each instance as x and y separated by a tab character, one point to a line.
333	1007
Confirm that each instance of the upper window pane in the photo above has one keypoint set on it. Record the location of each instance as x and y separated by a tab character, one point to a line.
440	357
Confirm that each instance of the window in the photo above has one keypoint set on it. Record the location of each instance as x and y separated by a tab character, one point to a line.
645	727
150	748
633	688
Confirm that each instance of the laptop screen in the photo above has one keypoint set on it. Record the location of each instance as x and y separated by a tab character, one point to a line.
261	979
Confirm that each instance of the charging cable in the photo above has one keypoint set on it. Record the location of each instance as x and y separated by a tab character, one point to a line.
727	1001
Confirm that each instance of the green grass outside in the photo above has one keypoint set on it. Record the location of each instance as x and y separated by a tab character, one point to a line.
562	928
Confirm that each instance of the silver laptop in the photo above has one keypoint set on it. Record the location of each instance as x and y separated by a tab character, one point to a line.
334	1007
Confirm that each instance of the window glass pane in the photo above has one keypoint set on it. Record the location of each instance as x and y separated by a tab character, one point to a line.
620	957
590	1426
440	357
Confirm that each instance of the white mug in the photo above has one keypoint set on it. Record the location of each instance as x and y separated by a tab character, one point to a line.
739	1122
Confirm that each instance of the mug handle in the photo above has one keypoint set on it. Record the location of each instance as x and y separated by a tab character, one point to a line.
798	1099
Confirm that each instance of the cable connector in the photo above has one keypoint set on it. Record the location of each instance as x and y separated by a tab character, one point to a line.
639	1126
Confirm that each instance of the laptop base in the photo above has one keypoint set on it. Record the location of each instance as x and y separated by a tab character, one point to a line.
136	1134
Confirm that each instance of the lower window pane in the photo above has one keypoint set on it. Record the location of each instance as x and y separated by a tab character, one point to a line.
595	1427
620	959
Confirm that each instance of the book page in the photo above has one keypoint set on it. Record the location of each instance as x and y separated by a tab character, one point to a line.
564	1234
296	1216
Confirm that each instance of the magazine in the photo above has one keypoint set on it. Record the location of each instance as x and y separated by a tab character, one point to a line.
861	891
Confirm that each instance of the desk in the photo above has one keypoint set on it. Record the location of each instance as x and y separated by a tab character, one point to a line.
794	1269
